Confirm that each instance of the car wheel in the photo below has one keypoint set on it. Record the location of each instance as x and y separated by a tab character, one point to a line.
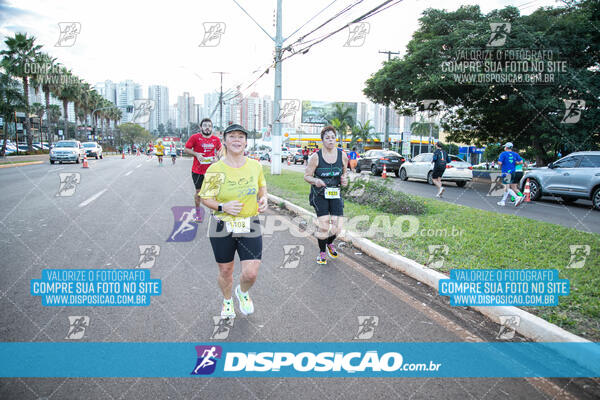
397	173
358	171
374	170
461	183
403	174
430	177
77	161
596	199
101	156
535	191
51	161
97	156
568	199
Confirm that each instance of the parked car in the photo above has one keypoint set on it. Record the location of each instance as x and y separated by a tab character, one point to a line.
296	156
67	150
285	153
576	176
93	149
374	160
421	167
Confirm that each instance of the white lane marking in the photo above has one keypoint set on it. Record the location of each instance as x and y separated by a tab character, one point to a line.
139	165
129	173
94	197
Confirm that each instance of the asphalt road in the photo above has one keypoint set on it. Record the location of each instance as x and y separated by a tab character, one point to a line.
118	205
579	215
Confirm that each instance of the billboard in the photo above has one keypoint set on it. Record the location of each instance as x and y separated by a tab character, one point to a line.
316	112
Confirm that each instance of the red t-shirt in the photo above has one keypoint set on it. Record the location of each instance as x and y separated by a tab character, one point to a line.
208	147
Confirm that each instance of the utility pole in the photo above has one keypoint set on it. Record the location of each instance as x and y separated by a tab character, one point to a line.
221	100
387	108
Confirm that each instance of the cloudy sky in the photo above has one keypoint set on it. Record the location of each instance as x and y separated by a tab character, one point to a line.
159	43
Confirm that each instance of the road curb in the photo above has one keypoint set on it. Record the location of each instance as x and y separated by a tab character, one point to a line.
20	164
531	326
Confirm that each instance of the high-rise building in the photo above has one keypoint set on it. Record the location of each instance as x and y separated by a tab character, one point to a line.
186	110
160	113
107	89
125	95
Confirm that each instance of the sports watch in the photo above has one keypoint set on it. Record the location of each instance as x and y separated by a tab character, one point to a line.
220	208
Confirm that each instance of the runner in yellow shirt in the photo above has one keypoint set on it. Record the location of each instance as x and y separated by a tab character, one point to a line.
235	188
160	152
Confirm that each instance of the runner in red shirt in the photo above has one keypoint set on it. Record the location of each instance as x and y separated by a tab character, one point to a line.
204	146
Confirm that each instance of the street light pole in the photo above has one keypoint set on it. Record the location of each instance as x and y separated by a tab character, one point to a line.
387	108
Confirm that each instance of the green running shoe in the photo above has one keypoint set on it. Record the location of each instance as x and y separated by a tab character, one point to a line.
246	305
227	311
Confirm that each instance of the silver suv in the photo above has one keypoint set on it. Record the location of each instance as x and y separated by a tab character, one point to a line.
576	176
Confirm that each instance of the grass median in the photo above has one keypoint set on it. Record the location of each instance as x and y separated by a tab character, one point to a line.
478	239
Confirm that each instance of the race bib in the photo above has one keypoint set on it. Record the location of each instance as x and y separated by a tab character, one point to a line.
241	225
206	160
332	193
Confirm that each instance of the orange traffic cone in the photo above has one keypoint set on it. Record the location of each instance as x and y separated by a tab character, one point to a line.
123	155
289	162
384	173
526	191
85	163
138	152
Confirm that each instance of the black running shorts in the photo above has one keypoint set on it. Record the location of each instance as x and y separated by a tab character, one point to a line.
225	245
325	206
438	172
198	179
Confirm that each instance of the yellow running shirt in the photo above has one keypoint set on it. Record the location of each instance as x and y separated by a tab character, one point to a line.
160	149
225	183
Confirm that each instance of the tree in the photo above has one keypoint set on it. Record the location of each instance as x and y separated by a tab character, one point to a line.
423	128
67	92
53	115
492	151
529	115
363	133
18	60
341	119
11	100
133	133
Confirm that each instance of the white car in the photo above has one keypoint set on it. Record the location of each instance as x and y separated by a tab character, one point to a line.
67	150
93	149
421	167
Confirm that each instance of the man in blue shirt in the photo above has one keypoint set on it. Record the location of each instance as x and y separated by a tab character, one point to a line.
508	161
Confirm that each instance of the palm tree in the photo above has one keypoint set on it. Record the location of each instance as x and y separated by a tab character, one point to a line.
363	133
344	117
11	100
53	115
67	92
18	58
38	109
422	128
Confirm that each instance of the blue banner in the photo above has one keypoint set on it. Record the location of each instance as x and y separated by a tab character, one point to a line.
222	359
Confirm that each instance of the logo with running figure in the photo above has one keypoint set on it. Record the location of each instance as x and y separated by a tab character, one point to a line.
68	184
184	228
433	106
579	253
366	326
508	326
437	255
573	109
68	33
288	108
212	34
221	327
148	254
292	254
500	31
141	110
207	359
357	34
212	184
77	326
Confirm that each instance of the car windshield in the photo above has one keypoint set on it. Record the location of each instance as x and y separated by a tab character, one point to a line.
66	144
391	154
455	159
89	145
